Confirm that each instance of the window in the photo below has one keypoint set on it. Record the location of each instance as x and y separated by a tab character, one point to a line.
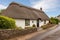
32	21
44	22
27	22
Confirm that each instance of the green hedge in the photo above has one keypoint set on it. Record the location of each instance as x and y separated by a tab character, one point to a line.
7	23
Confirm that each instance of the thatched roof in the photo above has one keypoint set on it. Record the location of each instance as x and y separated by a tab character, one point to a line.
19	11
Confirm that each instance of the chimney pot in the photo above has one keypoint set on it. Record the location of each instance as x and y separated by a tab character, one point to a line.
41	9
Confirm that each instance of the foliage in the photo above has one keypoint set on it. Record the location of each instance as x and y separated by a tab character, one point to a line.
7	23
44	27
47	26
54	20
30	27
19	28
2	10
33	25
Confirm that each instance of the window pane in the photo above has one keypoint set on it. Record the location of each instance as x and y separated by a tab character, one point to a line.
27	22
32	21
44	22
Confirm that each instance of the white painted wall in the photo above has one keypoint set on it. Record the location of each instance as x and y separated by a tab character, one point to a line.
41	23
34	22
47	21
20	23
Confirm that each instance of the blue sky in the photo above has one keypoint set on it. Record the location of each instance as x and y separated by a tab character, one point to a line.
51	7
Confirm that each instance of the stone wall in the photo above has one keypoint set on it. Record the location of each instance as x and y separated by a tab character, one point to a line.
7	34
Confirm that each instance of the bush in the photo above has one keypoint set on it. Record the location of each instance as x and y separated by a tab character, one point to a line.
54	20
47	26
19	28
33	25
30	27
7	23
44	27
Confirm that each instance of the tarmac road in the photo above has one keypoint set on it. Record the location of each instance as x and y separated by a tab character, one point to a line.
48	35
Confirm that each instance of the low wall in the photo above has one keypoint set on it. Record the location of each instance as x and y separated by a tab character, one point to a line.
6	34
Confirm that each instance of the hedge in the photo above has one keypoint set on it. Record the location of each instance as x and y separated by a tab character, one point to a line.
7	23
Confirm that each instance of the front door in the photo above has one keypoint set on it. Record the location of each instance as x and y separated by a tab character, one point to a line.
37	22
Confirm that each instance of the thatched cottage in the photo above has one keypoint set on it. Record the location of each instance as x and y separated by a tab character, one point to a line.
26	16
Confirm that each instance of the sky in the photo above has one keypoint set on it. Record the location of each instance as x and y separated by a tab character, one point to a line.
50	7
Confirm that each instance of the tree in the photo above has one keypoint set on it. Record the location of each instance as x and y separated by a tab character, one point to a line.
54	20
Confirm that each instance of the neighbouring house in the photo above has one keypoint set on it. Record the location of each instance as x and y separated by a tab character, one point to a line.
58	17
26	16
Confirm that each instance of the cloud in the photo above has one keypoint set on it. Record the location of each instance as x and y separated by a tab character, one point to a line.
2	7
45	4
51	7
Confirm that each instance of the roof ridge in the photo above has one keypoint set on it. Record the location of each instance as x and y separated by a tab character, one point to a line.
19	4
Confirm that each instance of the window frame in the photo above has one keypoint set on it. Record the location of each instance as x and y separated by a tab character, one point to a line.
27	22
44	21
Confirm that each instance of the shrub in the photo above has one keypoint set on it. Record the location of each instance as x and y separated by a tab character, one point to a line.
33	25
19	28
54	20
30	27
47	26
44	27
7	23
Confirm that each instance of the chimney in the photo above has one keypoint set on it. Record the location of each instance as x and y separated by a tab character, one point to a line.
41	9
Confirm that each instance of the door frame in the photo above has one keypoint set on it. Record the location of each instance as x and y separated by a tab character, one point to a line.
38	22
